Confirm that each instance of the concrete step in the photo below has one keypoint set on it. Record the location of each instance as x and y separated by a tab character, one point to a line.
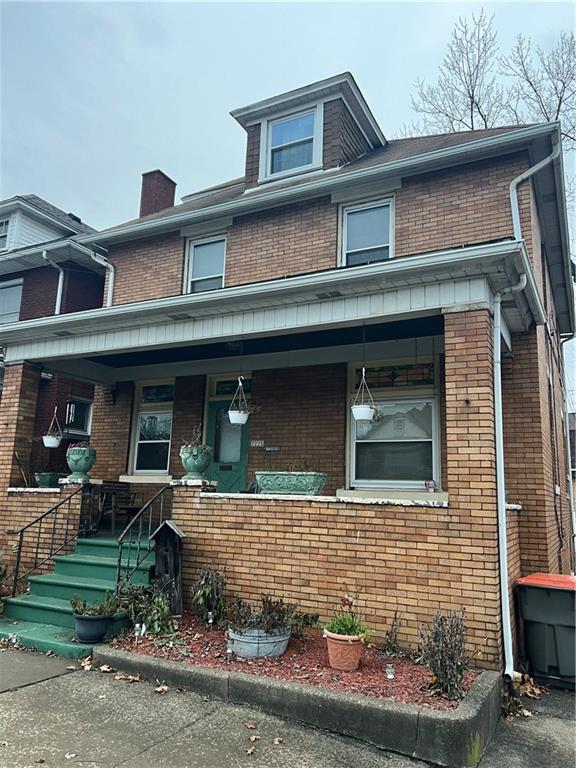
65	587
106	547
100	568
51	610
44	638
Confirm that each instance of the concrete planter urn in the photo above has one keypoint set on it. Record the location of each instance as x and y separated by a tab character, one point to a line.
257	644
344	651
80	460
303	483
195	460
47	479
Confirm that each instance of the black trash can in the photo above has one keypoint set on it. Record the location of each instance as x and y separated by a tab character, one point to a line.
547	606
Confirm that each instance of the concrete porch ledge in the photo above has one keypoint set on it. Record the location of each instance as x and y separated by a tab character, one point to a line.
330	499
454	739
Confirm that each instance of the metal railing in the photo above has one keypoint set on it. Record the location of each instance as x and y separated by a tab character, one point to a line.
134	545
53	531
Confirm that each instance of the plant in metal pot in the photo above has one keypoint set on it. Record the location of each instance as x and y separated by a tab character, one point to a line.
345	635
92	620
208	601
80	458
259	632
195	455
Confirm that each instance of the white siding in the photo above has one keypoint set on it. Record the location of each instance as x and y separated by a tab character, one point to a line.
29	231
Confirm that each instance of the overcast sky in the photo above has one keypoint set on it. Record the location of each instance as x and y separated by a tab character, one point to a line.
93	94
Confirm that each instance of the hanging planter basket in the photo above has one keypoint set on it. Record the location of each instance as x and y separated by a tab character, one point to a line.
363	407
53	437
239	409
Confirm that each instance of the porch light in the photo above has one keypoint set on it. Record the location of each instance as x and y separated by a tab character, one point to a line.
363	408
239	409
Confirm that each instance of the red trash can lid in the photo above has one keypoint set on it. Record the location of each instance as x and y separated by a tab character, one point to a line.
548	581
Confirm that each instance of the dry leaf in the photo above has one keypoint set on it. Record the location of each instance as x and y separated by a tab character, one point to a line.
278	740
102	696
72	667
3	743
162	687
254	738
251	750
250	725
106	668
69	755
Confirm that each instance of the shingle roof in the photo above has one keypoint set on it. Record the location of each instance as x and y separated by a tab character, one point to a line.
67	219
396	149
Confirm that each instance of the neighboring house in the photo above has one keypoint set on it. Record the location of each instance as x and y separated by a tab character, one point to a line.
44	271
337	251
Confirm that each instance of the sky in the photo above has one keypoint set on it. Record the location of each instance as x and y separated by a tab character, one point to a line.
94	94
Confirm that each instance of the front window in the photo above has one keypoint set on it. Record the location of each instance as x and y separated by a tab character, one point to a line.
4	234
206	264
292	142
78	417
10	298
399	448
367	233
153	428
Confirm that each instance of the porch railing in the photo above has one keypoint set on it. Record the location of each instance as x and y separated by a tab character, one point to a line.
50	533
134	545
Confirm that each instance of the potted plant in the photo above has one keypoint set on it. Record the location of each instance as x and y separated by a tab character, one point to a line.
53	436
80	458
295	479
345	635
238	414
47	479
195	456
91	622
259	633
363	408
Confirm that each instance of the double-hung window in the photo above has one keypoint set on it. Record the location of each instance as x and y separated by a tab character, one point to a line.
10	298
399	448
291	142
153	427
206	264
78	417
4	224
367	233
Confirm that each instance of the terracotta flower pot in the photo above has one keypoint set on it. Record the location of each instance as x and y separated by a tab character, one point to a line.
344	651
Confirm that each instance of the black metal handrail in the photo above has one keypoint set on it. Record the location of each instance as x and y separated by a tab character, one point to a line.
132	551
63	506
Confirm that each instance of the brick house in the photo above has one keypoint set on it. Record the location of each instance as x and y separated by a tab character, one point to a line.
44	271
438	264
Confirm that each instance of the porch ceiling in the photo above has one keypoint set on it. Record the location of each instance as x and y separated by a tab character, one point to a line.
108	339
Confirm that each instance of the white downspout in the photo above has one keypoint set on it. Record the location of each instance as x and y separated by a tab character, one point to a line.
60	288
514	184
103	261
509	673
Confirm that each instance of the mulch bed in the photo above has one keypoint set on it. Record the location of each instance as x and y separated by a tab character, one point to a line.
305	661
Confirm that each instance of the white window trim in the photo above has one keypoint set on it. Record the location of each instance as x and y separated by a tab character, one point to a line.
408	484
7	222
191	243
137	409
90	403
264	164
345	209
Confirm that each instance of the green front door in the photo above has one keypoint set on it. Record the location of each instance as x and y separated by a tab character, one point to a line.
229	466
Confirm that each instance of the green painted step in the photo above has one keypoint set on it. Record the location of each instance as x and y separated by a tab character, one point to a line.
44	638
65	587
51	610
100	568
106	547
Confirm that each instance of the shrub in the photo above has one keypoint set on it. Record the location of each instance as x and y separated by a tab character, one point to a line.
208	596
274	614
443	651
150	606
390	645
107	607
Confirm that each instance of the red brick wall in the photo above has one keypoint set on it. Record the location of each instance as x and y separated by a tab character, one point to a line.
415	559
303	410
252	155
111	425
188	413
17	417
285	241
343	140
82	290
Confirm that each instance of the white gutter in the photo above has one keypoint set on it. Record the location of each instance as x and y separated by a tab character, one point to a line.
103	261
509	673
60	288
416	163
514	184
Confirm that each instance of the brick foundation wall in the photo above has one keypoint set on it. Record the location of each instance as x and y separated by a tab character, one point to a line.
303	410
413	559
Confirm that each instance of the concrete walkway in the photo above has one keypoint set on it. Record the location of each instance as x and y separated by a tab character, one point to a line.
55	717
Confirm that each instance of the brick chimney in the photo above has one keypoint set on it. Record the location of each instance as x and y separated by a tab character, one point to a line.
158	191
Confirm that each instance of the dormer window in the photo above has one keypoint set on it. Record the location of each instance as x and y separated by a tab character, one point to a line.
292	144
4	224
